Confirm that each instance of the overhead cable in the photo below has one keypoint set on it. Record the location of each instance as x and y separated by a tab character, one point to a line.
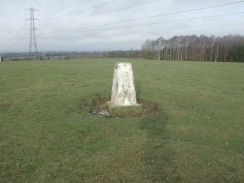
65	8
52	5
208	7
13	28
13	36
80	10
16	42
181	20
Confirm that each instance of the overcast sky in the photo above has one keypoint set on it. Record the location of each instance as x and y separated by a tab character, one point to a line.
97	27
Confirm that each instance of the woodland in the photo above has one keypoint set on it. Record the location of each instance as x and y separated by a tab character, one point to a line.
195	48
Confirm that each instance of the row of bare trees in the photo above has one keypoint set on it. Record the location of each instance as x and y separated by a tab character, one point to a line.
191	47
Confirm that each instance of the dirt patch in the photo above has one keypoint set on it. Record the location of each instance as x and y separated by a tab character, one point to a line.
149	107
97	105
98	102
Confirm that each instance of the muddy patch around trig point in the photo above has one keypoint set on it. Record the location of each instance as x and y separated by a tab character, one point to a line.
97	105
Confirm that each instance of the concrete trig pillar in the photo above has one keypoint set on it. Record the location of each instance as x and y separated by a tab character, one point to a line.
123	89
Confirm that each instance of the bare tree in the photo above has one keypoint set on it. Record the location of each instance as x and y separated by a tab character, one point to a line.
192	47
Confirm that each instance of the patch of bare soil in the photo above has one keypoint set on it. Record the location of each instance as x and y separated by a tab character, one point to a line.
97	105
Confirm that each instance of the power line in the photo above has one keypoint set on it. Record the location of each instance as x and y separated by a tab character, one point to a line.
184	11
146	18
14	27
80	11
9	17
15	42
41	9
52	5
146	24
65	8
13	35
208	7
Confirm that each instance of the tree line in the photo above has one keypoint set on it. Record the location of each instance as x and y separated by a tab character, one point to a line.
195	48
228	48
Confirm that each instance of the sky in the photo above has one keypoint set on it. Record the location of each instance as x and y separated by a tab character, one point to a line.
106	25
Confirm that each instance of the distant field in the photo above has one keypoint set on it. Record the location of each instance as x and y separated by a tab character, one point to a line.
46	136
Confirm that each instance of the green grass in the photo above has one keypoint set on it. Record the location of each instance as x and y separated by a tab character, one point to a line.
45	136
128	111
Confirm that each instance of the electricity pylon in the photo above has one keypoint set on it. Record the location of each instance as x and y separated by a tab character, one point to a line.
33	49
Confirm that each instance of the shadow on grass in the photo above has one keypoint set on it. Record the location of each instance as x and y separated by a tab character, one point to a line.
138	89
155	124
158	155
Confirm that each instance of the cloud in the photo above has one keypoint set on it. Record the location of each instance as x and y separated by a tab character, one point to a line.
111	35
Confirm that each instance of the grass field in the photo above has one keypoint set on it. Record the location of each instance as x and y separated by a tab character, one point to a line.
46	136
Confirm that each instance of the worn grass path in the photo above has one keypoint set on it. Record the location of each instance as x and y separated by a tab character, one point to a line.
46	136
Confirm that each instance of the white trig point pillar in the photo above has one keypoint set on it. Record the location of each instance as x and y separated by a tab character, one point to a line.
123	89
